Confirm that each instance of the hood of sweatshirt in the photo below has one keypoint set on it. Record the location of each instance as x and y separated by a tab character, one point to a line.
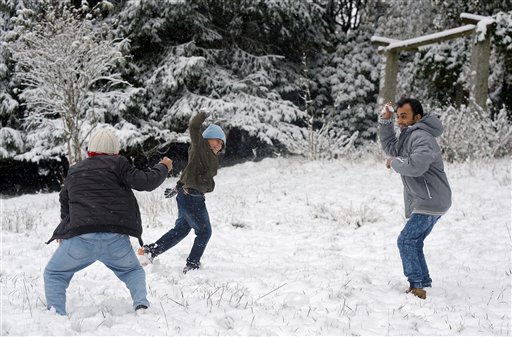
430	123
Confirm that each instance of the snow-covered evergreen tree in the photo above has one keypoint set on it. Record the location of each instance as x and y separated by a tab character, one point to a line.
346	75
501	63
354	85
238	59
244	61
11	142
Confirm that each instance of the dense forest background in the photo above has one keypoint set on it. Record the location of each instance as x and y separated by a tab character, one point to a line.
281	77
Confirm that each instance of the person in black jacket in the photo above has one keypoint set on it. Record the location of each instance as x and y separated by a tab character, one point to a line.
98	214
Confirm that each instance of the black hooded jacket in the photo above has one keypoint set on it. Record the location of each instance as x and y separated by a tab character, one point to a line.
97	197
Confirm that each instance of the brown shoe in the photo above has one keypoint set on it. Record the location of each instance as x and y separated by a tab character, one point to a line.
418	292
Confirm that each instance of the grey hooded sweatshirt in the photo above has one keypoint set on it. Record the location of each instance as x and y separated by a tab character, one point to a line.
418	160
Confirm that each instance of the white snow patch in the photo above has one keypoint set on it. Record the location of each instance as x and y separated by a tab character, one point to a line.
298	266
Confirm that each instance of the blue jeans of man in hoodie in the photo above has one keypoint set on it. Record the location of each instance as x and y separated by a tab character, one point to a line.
192	214
410	244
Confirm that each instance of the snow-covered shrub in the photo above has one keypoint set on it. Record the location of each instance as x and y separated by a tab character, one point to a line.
349	215
11	142
359	216
469	133
66	70
155	210
329	144
20	220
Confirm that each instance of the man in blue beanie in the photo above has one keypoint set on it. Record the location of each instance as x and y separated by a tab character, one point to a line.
195	181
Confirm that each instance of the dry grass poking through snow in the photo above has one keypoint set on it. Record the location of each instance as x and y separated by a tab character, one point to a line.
298	248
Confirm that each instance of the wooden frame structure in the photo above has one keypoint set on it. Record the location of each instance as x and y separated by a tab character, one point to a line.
480	54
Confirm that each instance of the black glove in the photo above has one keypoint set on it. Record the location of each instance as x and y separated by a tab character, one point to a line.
170	192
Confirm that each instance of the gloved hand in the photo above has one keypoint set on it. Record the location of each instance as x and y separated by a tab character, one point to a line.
170	192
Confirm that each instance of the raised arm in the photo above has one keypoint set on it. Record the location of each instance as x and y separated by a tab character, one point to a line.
388	138
194	127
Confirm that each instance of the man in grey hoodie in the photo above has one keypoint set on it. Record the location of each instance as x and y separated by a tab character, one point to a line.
416	155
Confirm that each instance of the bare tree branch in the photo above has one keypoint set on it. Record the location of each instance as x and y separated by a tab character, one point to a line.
65	67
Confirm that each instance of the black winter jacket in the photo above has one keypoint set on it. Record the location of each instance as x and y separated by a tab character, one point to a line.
97	197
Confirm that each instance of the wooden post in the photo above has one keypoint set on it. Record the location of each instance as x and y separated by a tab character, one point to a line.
387	89
480	55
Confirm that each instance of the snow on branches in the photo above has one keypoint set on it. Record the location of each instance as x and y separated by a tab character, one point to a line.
66	70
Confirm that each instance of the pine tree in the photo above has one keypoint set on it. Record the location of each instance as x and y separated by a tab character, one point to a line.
346	75
11	140
238	59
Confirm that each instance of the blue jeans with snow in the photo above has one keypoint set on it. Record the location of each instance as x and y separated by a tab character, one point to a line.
74	254
192	214
410	244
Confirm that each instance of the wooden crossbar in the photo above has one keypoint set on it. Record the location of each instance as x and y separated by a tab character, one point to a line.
411	44
479	56
431	38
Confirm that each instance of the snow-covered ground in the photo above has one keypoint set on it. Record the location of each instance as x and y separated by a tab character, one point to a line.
298	248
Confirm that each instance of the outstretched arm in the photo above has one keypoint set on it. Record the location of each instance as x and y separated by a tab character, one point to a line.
145	180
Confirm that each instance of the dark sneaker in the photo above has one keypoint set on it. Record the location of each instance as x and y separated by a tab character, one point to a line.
191	266
144	255
140	310
141	307
418	292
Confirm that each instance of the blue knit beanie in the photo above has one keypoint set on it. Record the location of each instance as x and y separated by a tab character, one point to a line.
213	131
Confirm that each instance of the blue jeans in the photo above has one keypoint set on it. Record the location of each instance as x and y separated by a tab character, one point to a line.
192	214
74	254
410	244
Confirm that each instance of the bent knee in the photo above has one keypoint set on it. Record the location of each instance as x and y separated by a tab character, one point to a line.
207	232
404	240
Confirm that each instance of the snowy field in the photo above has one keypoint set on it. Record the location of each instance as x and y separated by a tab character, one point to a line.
298	248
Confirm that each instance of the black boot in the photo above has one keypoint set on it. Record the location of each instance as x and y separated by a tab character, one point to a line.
191	266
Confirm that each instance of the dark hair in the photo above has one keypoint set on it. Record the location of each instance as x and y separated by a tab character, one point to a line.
416	107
